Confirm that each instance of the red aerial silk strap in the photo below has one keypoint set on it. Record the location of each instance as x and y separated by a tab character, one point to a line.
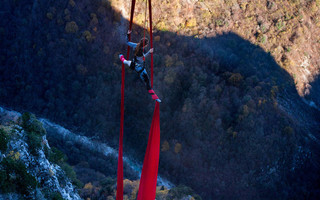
145	27
149	174
120	154
151	44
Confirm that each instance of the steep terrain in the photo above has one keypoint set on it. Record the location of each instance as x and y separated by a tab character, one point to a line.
29	168
231	75
41	171
289	29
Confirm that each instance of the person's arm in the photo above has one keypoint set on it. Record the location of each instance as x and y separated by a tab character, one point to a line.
131	44
150	51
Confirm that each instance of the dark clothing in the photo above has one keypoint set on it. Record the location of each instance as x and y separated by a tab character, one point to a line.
138	64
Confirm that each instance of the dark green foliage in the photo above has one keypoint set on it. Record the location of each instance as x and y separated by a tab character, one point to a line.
34	142
15	178
57	196
31	124
34	130
69	172
52	195
182	191
57	156
3	178
107	185
288	131
4	139
46	152
205	84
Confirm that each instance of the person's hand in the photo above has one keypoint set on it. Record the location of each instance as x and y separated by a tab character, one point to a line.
129	31
151	50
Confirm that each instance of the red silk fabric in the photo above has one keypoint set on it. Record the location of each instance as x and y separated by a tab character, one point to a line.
149	174
148	181
120	154
151	44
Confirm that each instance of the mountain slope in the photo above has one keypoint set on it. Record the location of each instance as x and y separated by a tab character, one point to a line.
26	171
231	116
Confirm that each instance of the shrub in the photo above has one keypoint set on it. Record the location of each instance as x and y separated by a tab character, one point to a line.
57	196
161	193
49	15
94	20
53	195
72	3
262	38
69	171
56	156
170	77
220	22
165	146
157	38
88	36
107	185
235	79
105	3
34	142
191	22
15	178
288	130
117	17
162	26
31	124
4	139
177	148
71	27
280	25
168	61
71	174
182	191
274	91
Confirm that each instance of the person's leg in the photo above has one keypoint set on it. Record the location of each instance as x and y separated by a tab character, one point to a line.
124	61
145	78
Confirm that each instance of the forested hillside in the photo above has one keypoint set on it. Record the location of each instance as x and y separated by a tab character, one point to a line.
232	122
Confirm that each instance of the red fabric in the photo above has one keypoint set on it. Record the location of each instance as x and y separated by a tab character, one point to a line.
122	58
148	182
149	174
120	154
153	94
151	44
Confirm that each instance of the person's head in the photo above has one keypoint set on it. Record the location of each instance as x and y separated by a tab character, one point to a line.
143	41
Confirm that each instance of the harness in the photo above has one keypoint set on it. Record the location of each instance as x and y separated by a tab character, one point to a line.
135	61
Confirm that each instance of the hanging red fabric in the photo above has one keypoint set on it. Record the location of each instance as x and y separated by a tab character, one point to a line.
151	43
120	154
145	28
148	182
149	174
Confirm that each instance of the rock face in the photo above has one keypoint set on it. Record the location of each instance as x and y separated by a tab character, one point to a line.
50	179
22	157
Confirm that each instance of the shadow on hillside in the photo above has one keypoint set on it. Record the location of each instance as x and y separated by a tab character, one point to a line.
314	93
74	80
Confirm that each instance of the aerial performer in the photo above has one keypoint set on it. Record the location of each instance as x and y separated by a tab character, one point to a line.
138	62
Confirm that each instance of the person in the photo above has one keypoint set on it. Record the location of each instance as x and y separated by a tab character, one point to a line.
138	62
